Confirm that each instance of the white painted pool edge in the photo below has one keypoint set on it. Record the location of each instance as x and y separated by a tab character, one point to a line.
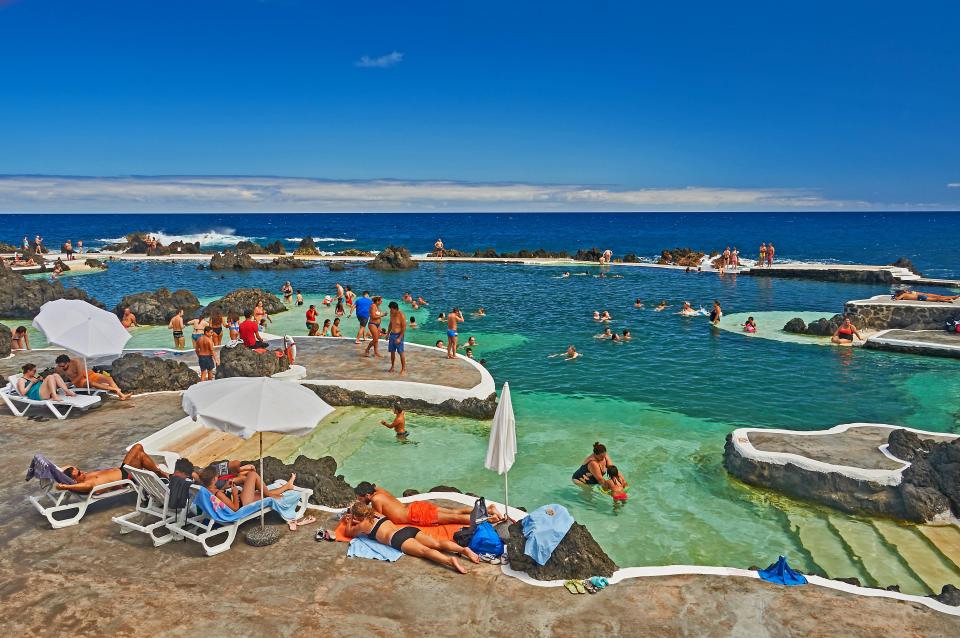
741	442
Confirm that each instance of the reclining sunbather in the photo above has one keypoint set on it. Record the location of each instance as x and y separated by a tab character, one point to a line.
361	519
423	513
136	457
912	295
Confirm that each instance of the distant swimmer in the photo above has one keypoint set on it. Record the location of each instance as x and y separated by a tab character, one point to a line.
638	304
750	325
661	306
845	333
716	314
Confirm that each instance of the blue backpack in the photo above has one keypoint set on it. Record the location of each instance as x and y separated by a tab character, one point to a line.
486	540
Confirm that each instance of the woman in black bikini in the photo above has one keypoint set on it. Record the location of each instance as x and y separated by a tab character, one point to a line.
362	520
594	467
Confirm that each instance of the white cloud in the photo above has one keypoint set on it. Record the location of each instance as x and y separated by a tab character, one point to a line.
953	185
41	193
382	62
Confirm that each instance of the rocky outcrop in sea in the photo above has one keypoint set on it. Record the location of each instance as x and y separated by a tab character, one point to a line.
137	373
393	258
21	298
158	307
241	361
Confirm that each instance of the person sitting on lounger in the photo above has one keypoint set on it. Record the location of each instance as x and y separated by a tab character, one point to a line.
362	520
136	457
78	374
422	513
912	295
44	388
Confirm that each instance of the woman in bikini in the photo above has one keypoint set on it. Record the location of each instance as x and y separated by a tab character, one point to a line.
593	468
361	520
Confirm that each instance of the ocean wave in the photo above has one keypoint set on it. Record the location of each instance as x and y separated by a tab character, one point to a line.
221	237
322	239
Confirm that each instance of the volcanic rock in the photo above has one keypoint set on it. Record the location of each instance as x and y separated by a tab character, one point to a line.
136	373
156	308
241	361
244	299
319	475
481	409
393	258
578	556
6	340
307	247
21	298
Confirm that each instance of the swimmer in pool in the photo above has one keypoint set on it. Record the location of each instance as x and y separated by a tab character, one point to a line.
750	325
661	306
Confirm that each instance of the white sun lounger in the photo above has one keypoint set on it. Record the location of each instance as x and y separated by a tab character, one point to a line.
60	407
54	503
202	530
152	512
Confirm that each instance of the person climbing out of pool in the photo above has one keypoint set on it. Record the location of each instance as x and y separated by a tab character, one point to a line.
845	333
399	423
716	313
594	467
616	484
750	325
912	295
362	520
422	513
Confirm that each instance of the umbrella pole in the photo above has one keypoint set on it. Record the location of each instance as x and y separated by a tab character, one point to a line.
263	481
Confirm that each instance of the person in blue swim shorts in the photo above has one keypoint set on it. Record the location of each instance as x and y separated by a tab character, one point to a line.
396	331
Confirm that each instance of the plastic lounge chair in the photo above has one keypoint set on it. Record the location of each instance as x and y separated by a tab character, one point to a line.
202	529
152	512
60	407
74	504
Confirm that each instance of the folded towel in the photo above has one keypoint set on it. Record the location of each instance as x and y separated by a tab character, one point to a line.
217	510
44	469
363	547
543	529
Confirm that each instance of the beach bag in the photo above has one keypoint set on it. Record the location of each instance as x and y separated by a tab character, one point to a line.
486	541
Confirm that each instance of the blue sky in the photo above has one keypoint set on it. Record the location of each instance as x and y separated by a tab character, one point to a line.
476	106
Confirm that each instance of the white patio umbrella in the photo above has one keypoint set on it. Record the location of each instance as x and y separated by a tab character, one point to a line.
81	328
502	448
245	406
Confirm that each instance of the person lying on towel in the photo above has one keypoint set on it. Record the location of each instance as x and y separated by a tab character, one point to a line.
422	513
362	520
85	481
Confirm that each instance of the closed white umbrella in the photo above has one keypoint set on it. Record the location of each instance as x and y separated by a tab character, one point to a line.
81	328
245	406
502	448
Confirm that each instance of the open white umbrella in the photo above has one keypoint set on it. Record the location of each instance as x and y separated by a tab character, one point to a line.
502	448
245	406
81	328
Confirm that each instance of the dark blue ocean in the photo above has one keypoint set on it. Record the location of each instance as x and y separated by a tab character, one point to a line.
930	240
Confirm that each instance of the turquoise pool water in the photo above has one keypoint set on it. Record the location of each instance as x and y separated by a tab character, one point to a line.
662	403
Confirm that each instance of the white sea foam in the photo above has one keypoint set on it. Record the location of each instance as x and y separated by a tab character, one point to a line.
322	239
216	237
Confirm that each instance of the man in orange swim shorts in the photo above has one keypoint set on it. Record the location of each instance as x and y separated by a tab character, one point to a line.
78	374
420	513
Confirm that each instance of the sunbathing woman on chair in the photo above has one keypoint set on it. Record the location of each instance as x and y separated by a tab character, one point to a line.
33	387
136	457
361	520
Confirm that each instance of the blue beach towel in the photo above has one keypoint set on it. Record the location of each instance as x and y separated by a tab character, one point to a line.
218	511
543	530
781	573
363	547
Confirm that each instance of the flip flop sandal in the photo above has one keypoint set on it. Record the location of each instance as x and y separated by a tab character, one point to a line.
570	587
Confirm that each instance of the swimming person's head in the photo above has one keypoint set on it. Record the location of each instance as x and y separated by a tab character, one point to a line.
599	448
